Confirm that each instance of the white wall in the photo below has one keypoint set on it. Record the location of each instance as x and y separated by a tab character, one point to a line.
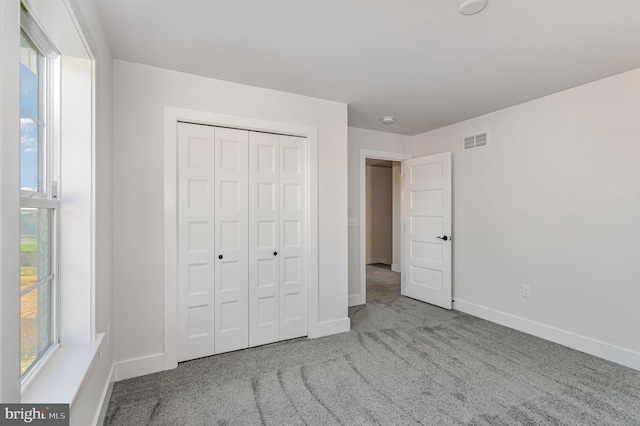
379	215
361	139
75	195
141	94
552	203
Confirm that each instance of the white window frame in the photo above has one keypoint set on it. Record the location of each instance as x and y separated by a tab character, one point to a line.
46	197
80	347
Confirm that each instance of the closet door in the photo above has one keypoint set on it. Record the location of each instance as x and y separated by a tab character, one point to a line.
293	238
196	258
277	241
231	240
242	239
264	235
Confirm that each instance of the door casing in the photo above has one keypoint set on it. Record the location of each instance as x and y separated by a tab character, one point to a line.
361	297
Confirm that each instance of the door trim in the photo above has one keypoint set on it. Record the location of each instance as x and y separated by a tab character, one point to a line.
361	297
171	118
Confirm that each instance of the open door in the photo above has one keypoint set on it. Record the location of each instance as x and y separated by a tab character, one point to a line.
426	212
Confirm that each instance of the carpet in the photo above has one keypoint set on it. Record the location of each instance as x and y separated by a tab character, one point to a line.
403	363
382	283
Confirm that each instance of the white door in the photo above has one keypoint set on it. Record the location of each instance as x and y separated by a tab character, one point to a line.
231	240
427	229
277	243
242	239
293	237
196	258
264	231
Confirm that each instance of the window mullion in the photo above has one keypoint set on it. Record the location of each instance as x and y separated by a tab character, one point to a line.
38	203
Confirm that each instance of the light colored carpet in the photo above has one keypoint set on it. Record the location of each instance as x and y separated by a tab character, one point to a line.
382	283
403	362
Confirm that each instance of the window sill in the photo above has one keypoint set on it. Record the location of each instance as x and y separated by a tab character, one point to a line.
62	378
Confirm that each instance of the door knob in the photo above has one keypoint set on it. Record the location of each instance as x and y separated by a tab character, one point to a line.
275	253
220	257
445	238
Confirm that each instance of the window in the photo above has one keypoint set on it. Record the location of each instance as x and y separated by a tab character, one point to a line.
38	198
59	344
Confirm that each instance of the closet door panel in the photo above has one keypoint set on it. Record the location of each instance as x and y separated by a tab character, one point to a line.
264	270
231	240
292	221
196	256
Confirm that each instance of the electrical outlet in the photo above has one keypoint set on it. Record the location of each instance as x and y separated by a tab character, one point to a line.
526	291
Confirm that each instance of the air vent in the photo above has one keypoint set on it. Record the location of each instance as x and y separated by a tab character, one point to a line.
469	142
477	141
481	140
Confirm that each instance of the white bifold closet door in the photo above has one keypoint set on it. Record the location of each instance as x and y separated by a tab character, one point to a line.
196	253
277	215
231	220
241	239
212	241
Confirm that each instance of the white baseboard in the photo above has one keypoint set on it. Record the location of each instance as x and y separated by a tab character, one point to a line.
581	343
395	268
138	366
357	299
328	328
101	412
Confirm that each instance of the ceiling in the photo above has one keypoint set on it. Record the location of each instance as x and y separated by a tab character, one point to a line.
418	60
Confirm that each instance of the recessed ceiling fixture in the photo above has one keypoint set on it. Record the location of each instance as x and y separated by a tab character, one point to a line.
471	7
388	119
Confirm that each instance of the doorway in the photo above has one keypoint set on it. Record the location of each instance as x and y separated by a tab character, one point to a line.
395	258
425	254
382	228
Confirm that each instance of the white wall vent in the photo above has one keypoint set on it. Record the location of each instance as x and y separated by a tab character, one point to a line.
469	142
477	141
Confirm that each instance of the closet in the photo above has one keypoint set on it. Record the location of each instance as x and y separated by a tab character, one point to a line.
242	239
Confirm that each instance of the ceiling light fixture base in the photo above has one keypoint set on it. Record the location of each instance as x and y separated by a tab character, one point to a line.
471	7
388	119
